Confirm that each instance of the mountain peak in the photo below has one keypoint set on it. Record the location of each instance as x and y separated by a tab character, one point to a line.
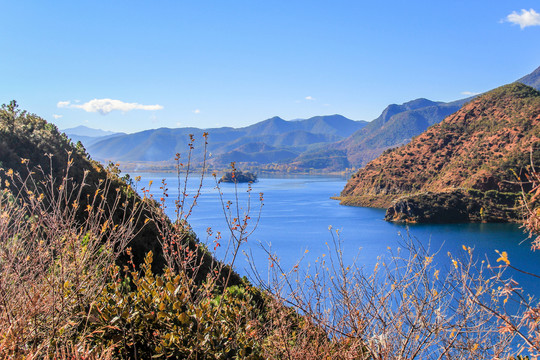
419	103
275	118
394	109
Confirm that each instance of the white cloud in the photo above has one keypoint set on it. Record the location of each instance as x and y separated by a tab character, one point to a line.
196	111
105	106
56	116
469	93
526	18
309	98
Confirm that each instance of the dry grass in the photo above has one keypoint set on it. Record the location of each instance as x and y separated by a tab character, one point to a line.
52	265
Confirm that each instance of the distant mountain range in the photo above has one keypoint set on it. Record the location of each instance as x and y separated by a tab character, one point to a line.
323	143
82	130
272	140
88	136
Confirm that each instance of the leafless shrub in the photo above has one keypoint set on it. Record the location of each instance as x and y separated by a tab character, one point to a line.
518	313
405	308
52	263
531	204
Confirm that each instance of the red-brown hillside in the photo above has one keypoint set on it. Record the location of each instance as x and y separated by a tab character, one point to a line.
478	147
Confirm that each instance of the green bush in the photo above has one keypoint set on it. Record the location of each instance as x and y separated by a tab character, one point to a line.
169	316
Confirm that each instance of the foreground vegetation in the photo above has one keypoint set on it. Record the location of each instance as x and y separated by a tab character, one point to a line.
75	282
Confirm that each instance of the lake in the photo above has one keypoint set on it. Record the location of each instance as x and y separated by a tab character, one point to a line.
298	211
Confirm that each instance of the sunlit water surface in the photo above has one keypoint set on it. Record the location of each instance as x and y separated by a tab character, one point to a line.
298	212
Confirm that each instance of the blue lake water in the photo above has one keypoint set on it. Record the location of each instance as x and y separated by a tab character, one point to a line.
298	211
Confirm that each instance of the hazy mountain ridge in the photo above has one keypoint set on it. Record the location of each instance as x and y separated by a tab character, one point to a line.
82	130
479	147
288	139
89	136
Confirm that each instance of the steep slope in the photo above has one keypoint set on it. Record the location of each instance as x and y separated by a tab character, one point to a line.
328	124
266	149
532	80
397	125
302	137
257	153
479	147
27	136
318	159
29	144
336	125
296	140
272	126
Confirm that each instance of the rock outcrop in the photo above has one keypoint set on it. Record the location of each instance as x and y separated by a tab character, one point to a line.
457	206
238	177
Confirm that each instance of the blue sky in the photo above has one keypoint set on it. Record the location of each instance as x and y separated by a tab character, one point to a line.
133	65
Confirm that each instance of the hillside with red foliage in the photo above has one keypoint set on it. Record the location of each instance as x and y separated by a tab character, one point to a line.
483	146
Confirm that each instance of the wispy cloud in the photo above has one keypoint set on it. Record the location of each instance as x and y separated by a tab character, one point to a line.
526	18
56	116
105	106
196	111
469	93
309	98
